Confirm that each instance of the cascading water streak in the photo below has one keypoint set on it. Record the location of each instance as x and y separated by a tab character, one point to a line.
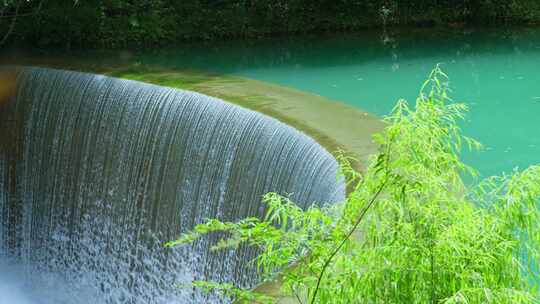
96	173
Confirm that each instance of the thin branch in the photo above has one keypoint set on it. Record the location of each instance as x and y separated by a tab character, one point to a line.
297	296
29	14
37	11
338	248
357	223
12	25
432	261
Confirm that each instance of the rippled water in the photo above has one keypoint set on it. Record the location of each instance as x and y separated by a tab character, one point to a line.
494	71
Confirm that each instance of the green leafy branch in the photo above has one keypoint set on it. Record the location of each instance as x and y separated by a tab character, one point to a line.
409	231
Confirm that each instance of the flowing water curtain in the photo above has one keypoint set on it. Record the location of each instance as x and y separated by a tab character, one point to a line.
97	172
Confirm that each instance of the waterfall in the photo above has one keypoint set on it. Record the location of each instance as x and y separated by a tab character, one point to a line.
96	173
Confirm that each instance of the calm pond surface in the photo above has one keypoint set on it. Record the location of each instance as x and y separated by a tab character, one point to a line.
495	72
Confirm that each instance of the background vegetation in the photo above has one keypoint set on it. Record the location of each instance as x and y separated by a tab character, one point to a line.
118	23
409	231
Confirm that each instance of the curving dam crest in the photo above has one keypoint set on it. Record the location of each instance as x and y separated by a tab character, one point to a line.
96	173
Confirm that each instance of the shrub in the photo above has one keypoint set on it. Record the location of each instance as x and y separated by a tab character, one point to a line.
147	23
409	231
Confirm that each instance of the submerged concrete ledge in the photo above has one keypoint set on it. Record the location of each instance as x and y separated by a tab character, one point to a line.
333	124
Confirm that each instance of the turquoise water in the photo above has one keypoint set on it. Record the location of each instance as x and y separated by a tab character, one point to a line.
497	73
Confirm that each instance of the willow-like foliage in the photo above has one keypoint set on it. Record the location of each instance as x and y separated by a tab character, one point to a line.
410	231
